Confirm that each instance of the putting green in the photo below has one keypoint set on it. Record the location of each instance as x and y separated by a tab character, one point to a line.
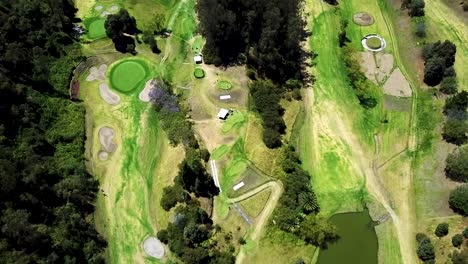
199	73
224	85
128	75
373	43
96	29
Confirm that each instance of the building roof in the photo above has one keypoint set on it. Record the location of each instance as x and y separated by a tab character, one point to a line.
223	113
197	58
224	97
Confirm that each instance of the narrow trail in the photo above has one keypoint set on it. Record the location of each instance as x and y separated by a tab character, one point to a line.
261	220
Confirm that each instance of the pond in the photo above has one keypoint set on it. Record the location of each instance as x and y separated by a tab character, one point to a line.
357	242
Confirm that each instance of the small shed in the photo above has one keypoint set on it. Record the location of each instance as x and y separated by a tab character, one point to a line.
224	97
238	186
198	59
223	114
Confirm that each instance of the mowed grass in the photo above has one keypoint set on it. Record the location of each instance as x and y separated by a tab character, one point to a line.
96	29
254	205
128	75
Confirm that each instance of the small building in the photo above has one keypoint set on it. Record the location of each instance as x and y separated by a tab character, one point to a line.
224	97
198	59
238	186
223	114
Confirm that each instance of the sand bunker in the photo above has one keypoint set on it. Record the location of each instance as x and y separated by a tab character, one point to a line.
107	95
397	85
102	155
153	247
144	94
105	13
378	68
98	8
114	8
363	19
96	73
106	134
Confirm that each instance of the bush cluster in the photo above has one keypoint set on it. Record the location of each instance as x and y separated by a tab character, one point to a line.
425	250
439	59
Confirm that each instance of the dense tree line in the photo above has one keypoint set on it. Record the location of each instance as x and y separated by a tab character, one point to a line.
120	27
298	206
46	195
439	58
363	88
266	98
415	7
265	34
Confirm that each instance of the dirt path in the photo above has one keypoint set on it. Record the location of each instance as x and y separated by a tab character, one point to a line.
261	221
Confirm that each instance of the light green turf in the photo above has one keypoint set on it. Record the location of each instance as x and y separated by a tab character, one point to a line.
224	85
96	29
199	73
234	121
128	75
219	152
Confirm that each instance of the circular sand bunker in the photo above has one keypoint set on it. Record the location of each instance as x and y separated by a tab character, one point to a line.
102	155
373	42
106	134
363	19
128	75
153	247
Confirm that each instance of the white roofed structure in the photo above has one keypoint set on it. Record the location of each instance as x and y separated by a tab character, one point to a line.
223	114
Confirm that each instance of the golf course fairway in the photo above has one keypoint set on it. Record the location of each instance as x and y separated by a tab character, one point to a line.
128	75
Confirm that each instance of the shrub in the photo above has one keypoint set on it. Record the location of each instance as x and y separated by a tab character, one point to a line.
416	8
448	85
455	131
458	200
465	232
457	165
457	240
455	106
425	251
442	230
439	58
421	29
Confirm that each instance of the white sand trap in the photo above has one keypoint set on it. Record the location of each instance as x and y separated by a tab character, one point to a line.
397	85
107	95
105	13
96	73
376	72
102	155
153	247
114	8
363	19
98	8
106	134
144	94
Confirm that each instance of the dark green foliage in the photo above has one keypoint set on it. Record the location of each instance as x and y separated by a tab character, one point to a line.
425	250
266	97
421	29
441	230
46	196
457	240
457	165
317	231
455	131
149	39
416	8
363	87
460	257
118	27
456	106
465	232
188	234
458	200
331	2
171	196
342	38
266	33
449	85
439	57
194	178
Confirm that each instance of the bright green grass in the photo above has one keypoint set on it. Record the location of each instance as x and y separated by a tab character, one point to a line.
234	121
197	44
128	75
219	152
373	43
199	73
96	29
224	85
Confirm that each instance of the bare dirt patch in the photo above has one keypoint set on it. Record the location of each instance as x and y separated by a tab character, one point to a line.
97	73
378	68
144	94
210	132
107	95
363	19
397	85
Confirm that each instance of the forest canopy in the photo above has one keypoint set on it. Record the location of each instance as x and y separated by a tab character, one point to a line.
46	195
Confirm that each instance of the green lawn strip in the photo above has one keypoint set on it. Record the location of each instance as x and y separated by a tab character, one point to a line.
224	84
219	152
234	121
